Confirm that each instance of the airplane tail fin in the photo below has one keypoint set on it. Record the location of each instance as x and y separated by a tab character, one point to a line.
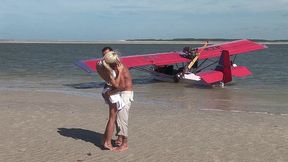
222	72
225	66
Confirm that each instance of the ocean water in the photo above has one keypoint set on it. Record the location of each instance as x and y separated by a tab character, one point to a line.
50	67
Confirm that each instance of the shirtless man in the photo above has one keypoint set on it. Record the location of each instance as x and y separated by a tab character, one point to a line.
123	85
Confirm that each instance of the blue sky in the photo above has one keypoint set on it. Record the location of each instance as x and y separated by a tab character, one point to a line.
130	19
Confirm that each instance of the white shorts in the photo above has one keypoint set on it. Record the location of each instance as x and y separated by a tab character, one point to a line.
123	114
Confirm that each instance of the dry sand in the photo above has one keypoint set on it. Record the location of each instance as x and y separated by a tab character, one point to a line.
50	126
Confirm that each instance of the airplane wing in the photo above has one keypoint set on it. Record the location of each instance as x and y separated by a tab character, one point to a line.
234	47
137	60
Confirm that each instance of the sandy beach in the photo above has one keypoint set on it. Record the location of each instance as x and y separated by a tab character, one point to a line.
55	126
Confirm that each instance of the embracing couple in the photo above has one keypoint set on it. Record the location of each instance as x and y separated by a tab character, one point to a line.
118	94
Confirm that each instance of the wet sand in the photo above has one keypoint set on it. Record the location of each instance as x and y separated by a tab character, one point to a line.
53	126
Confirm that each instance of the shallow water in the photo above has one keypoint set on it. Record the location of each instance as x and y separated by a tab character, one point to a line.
50	67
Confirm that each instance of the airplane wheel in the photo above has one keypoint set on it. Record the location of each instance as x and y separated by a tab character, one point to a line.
222	84
176	78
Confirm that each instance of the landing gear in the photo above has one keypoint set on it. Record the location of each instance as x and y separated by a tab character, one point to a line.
221	84
177	77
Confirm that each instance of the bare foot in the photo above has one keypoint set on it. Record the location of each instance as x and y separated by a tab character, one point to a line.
120	148
107	147
118	142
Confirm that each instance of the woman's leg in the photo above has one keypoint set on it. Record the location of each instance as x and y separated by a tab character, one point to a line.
110	126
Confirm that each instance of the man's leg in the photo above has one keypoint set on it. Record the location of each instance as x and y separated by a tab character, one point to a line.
124	144
110	127
122	121
118	141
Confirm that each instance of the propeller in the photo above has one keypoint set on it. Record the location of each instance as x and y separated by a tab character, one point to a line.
197	55
192	62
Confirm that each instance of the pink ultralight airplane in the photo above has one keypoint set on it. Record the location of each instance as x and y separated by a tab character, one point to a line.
166	65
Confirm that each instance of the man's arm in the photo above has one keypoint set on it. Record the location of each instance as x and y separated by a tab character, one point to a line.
115	82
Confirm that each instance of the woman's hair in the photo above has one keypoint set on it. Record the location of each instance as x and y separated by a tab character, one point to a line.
111	57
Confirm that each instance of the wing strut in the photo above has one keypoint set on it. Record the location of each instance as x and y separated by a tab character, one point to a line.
197	56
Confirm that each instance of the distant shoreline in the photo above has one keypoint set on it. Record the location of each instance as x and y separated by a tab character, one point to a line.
123	42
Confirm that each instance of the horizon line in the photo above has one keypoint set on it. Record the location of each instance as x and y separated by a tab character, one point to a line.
138	41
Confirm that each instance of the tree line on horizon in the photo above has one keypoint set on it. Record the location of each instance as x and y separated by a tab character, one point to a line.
206	39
